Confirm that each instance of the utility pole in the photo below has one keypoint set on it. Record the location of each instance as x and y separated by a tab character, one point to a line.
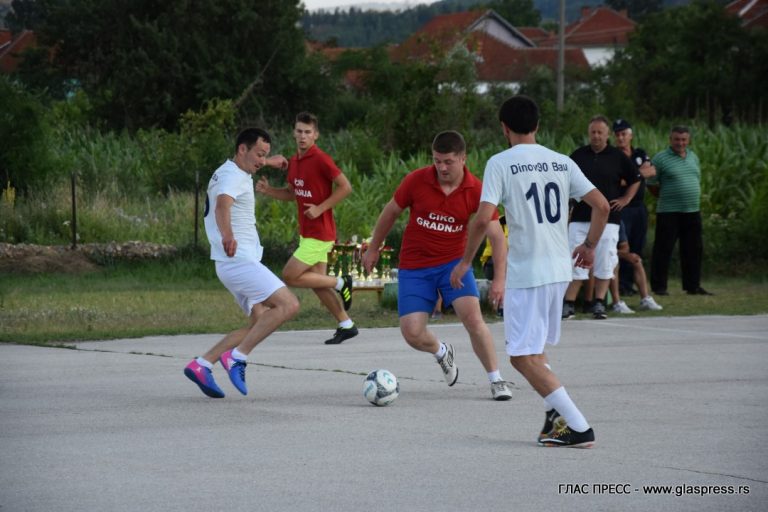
561	60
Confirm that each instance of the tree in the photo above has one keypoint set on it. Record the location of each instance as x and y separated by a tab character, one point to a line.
144	62
520	13
26	158
636	9
693	61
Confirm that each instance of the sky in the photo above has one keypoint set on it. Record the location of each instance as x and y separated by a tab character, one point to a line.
330	4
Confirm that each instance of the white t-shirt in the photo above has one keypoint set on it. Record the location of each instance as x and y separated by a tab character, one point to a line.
229	179
534	184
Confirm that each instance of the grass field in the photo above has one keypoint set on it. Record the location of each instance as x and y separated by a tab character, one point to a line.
185	297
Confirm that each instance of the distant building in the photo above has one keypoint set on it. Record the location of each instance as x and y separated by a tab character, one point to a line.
11	48
753	13
599	32
504	55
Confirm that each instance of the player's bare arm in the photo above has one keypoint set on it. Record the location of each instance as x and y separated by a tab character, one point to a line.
281	194
495	234
342	188
478	227
384	224
223	214
277	161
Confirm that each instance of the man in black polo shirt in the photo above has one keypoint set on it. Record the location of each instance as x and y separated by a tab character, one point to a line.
605	166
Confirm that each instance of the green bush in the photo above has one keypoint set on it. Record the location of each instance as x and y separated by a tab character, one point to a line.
26	161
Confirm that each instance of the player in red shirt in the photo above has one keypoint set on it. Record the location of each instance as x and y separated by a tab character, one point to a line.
441	197
317	185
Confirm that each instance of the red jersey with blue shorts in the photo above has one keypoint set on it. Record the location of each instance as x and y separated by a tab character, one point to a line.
437	225
311	177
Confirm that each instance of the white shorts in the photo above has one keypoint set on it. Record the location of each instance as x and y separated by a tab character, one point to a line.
532	317
250	282
606	255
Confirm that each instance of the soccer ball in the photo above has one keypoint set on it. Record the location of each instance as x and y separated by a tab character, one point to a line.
381	387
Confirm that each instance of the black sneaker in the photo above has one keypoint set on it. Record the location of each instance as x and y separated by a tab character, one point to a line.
346	293
569	311
552	420
598	311
569	438
342	334
699	291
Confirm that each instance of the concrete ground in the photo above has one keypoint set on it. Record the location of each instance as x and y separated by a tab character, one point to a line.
115	425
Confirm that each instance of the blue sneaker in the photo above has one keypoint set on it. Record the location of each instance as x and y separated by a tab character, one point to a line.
203	377
236	370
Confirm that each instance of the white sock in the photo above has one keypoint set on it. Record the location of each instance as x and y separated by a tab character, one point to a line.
239	355
560	400
205	363
339	284
441	351
346	324
494	376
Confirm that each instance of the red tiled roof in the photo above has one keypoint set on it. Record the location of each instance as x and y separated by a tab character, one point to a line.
502	63
754	13
441	32
535	34
601	26
5	36
10	51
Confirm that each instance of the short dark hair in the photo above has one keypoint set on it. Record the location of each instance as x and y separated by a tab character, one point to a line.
449	142
251	136
520	114
599	118
308	118
681	128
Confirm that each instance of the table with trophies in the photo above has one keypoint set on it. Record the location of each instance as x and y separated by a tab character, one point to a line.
347	259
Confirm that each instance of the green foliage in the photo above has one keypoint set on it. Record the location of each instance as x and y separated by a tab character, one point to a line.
144	63
636	9
25	157
520	13
416	99
695	61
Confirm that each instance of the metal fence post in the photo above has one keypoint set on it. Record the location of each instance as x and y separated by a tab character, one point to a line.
74	209
197	204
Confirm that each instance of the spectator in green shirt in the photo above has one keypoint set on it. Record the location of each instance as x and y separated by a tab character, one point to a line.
677	185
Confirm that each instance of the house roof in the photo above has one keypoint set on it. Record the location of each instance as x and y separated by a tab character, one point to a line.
11	48
753	13
446	31
500	63
599	26
535	34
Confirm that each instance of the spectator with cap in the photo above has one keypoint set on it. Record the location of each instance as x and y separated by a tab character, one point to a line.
634	216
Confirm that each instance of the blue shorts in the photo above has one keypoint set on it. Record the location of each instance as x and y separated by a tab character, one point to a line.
417	288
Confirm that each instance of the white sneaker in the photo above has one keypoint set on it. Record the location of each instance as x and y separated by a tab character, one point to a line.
647	303
500	390
621	307
450	371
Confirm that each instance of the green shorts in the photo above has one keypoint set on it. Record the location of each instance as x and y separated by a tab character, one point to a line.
312	251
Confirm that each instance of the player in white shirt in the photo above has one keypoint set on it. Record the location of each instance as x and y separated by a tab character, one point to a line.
534	184
230	223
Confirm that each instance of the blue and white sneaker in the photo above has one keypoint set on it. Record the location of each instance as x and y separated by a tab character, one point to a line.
203	377
236	370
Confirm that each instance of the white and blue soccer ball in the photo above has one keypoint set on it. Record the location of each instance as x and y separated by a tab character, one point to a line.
381	387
